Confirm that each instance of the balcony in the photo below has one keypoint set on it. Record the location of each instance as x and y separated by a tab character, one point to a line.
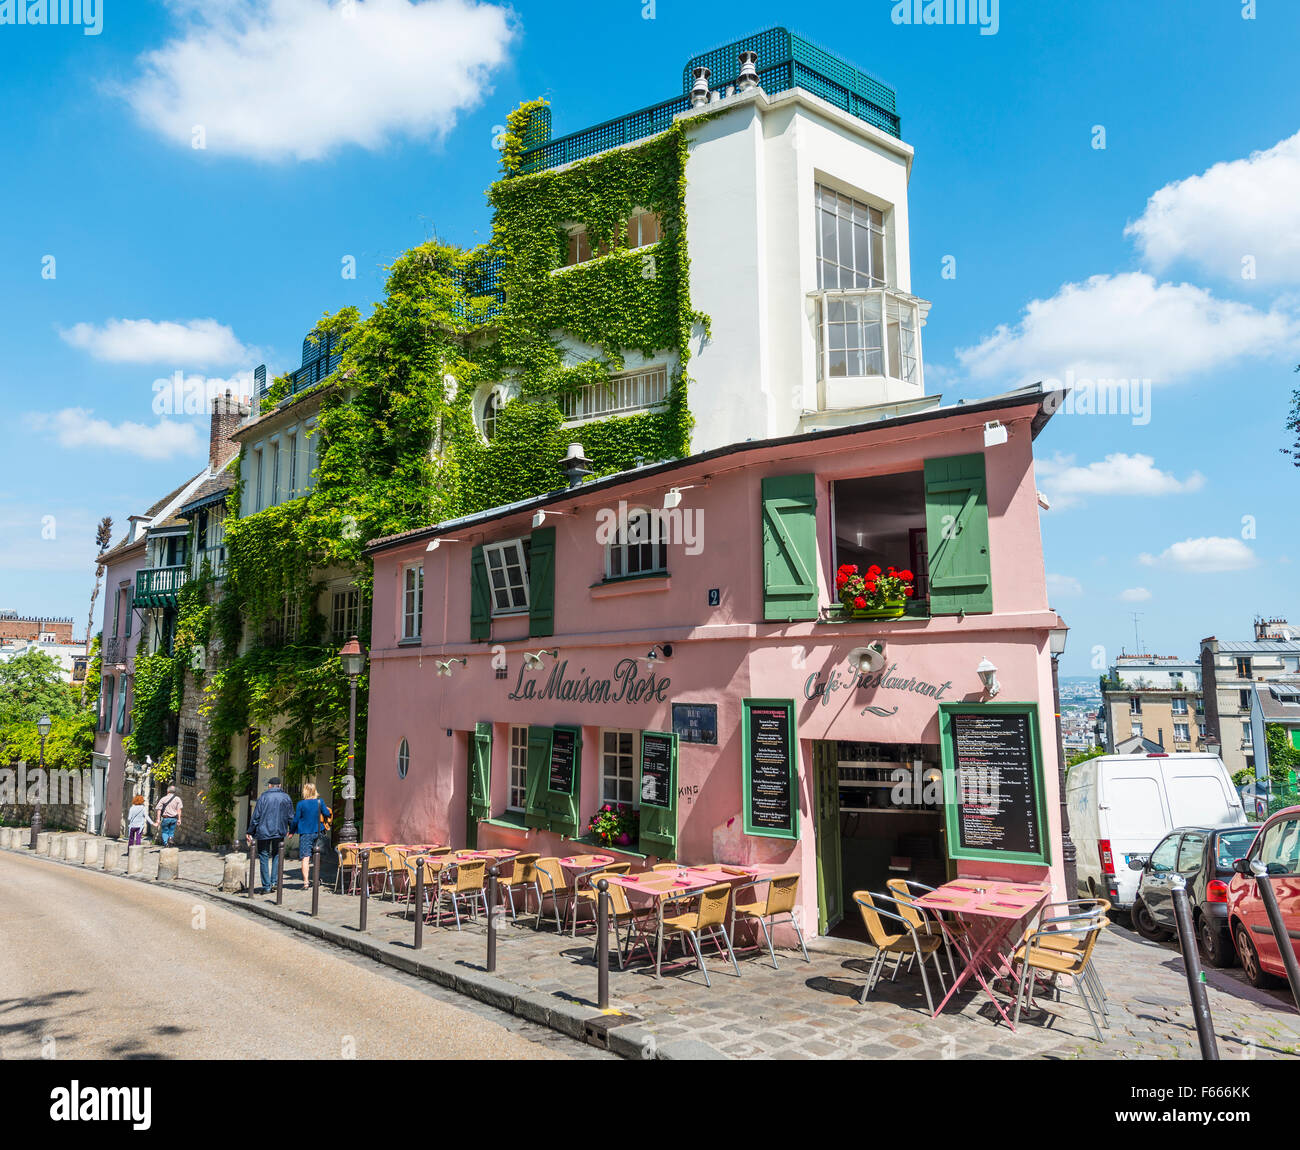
157	586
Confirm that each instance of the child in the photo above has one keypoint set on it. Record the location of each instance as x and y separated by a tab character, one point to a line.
136	820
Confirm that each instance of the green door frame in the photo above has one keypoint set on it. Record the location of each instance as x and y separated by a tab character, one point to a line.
830	873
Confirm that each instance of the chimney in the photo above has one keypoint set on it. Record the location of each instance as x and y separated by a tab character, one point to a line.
227	414
748	71
575	465
700	89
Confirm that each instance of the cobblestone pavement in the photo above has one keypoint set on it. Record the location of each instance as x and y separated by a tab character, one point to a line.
810	1010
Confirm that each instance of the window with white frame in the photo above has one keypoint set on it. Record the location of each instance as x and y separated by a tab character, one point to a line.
628	392
618	767
507	566
1180	706
277	449
1137	726
412	600
345	613
1182	733
258	467
850	242
291	446
643	229
518	795
639	547
491	409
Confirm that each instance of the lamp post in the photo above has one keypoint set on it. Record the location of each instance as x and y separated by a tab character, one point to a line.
1069	860
43	727
353	659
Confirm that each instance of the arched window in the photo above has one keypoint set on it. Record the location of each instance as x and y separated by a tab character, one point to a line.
403	759
639	546
490	408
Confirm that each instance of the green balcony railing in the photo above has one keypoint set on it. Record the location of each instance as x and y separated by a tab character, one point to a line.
157	586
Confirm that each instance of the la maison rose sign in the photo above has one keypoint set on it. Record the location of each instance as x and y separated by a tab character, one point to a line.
626	685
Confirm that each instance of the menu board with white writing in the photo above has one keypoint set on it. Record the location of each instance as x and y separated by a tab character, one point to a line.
994	802
769	783
656	770
563	753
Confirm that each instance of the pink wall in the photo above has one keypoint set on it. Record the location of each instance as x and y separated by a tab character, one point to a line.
722	654
110	742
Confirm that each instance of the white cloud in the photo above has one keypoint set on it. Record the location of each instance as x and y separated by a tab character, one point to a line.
1063	585
1118	474
1135	595
75	427
284	79
1242	208
1128	326
1208	554
192	342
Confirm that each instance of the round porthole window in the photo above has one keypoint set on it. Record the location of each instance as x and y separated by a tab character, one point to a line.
403	759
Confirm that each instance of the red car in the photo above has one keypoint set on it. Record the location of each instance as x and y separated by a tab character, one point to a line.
1277	846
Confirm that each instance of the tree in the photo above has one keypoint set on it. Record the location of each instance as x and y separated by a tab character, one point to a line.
31	686
103	536
1082	756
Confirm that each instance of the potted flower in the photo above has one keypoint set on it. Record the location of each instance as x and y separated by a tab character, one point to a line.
875	593
613	825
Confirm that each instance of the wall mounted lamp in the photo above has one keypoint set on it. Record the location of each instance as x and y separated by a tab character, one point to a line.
988	674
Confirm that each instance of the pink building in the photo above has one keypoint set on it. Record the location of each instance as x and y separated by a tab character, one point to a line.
534	662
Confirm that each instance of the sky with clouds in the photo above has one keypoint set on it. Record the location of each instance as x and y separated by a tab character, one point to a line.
1116	186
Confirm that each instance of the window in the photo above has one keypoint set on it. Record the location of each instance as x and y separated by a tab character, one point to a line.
618	767
507	565
1201	729
258	468
1137	726
850	242
1182	733
639	547
1180	706
634	391
491	406
1190	853
189	757
117	614
286	627
880	520
1243	667
273	496
403	759
1247	736
579	247
518	795
291	447
1243	700
309	433
1165	855
1134	705
643	229
120	725
1280	847
345	614
412	601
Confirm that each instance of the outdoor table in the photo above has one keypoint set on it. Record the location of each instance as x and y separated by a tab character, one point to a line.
990	909
656	888
576	868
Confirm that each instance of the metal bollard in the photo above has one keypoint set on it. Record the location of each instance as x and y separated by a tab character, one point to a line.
252	867
493	872
279	875
1268	896
419	904
602	944
365	886
1192	964
315	879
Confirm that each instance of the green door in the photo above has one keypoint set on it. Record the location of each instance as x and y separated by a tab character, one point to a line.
830	883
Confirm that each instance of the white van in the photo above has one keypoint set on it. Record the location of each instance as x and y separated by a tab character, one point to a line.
1123	805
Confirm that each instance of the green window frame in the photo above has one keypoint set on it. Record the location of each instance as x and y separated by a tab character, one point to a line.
541	583
747	706
479	804
789	534
658	825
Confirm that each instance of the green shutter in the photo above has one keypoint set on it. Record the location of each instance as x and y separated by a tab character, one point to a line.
539	764
564	809
957	527
480	597
659	824
790	547
480	776
541	583
121	705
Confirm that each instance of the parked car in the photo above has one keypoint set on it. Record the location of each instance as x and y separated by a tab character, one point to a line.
1277	846
1121	806
1204	857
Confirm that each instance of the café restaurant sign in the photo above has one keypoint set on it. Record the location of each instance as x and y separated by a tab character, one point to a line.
625	686
886	680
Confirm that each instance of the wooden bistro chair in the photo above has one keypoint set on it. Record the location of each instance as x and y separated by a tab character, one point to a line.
782	894
522	877
901	944
709	918
550	884
465	885
1031	956
585	893
666	866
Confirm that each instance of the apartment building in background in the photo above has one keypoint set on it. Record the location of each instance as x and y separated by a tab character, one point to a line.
1153	703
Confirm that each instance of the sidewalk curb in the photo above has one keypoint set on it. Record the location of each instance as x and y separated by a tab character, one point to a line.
569	1017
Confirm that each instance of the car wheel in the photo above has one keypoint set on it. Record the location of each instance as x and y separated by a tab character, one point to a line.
1216	946
1255	974
1147	926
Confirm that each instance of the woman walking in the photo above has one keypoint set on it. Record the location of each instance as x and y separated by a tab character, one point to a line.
311	818
136	820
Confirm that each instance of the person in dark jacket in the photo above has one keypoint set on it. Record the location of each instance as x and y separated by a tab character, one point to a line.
269	824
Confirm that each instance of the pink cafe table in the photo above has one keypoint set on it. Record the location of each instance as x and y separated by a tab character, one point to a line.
576	868
656	889
990	909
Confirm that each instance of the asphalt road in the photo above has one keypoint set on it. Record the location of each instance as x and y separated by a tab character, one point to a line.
104	967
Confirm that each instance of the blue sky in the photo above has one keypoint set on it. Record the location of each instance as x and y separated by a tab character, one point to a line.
322	145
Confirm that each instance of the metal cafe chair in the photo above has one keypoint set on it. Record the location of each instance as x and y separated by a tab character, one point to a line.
621	913
550	884
432	863
900	945
465	884
349	861
782	894
1071	942
928	922
1030	956
708	919
584	889
523	877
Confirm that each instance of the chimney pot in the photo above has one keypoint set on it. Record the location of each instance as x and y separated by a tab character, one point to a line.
748	71
700	89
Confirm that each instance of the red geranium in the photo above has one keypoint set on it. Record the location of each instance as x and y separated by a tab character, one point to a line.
860	603
875	590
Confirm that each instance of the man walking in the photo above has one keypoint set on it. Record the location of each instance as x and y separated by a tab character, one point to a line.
168	811
268	825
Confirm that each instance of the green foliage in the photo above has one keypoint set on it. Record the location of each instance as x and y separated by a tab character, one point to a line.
31	686
1283	758
157	686
67	748
1083	756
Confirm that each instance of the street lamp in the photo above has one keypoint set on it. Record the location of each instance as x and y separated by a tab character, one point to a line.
43	727
353	659
1056	638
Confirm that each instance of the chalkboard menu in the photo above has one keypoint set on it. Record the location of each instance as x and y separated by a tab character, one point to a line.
696	722
768	736
563	754
992	784
656	770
